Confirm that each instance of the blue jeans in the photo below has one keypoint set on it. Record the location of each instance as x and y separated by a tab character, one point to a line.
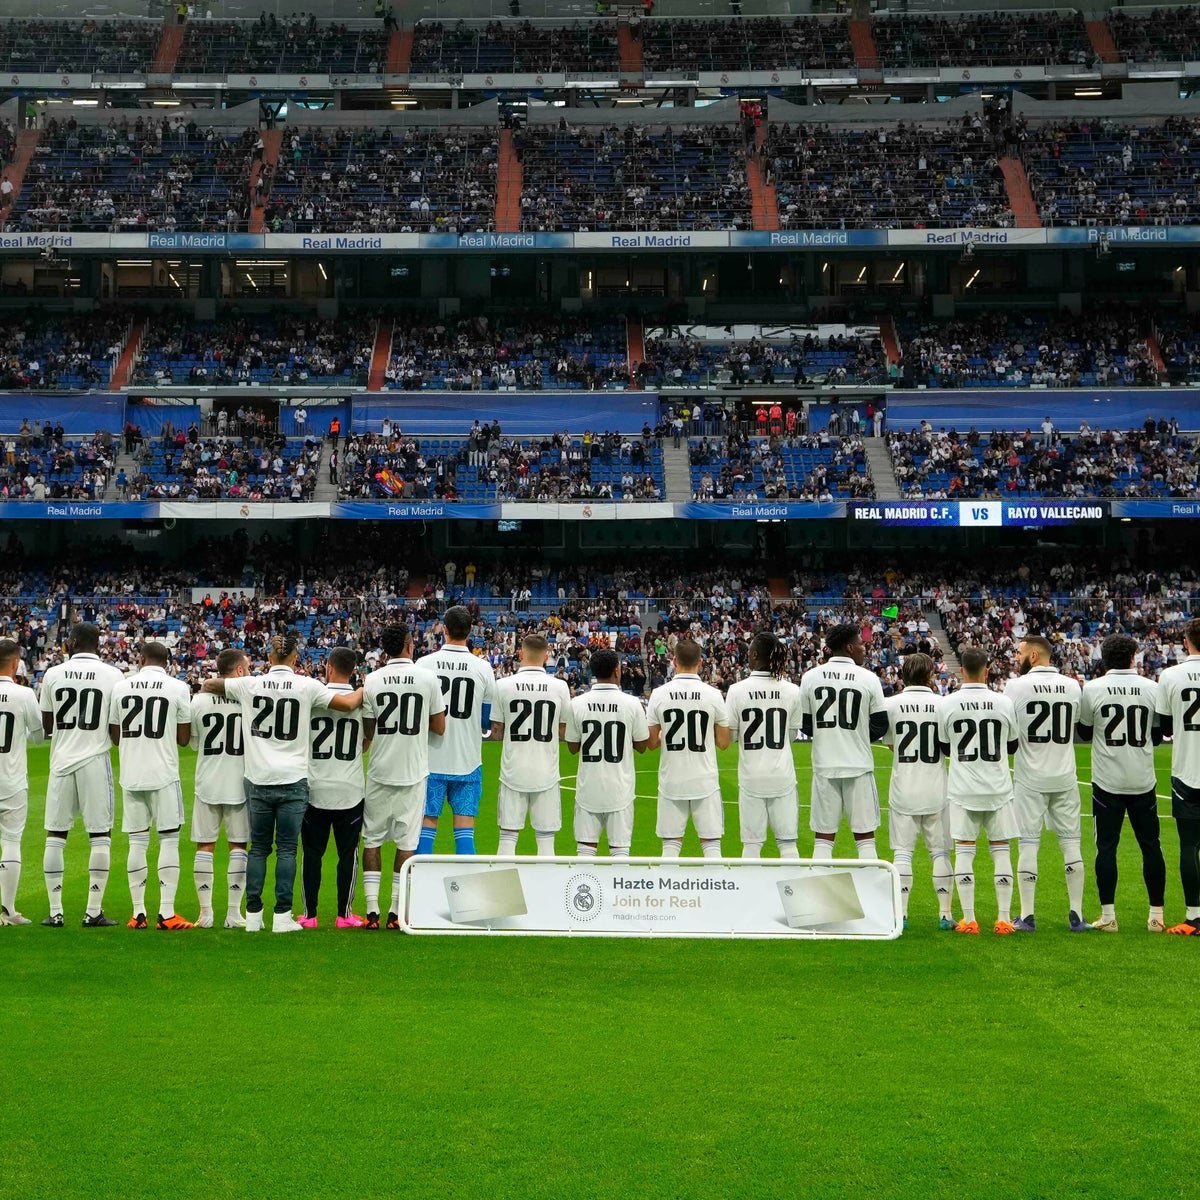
276	813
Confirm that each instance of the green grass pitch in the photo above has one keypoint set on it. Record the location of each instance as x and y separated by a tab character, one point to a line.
334	1063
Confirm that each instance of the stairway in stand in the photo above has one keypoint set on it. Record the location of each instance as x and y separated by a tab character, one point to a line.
509	177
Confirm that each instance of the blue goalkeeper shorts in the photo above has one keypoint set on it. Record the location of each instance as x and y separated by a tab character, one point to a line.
462	792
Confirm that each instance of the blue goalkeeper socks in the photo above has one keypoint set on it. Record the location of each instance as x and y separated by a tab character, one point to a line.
464	841
428	837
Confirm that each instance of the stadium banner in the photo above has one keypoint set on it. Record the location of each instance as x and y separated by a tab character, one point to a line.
579	511
666	240
762	510
1139	235
414	510
799	239
977	513
75	510
1152	510
780	898
1019	409
968	236
231	510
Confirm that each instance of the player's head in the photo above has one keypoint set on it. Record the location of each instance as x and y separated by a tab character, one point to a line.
687	656
1033	651
340	664
232	664
155	654
846	642
768	653
917	670
606	666
1191	634
10	657
457	623
85	639
534	649
396	640
1117	652
974	662
285	648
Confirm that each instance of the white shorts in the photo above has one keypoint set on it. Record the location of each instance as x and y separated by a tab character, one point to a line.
88	792
13	811
1000	824
393	812
856	798
904	829
544	809
781	812
1058	811
707	813
208	818
162	808
589	826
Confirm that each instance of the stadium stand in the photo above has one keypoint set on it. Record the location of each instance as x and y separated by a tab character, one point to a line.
53	350
280	45
983	39
1158	35
502	47
817	467
94	44
754	43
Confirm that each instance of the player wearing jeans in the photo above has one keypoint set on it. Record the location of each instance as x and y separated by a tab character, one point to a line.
456	757
689	722
74	703
276	717
149	718
1116	714
335	797
529	716
20	724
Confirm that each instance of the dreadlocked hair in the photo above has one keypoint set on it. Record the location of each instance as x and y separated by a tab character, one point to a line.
770	653
283	645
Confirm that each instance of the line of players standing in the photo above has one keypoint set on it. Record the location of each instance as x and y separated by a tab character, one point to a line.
280	763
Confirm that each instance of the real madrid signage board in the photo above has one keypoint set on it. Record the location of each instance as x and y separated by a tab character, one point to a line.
652	897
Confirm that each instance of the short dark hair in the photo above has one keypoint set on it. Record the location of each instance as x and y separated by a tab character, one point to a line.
974	661
458	622
229	660
534	643
85	639
156	653
1191	631
840	636
1117	652
604	665
394	639
687	654
343	660
9	650
917	670
1039	643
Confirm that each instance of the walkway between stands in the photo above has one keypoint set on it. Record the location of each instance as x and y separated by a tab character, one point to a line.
380	355
167	54
399	53
1020	195
509	179
677	472
1102	41
124	368
629	50
880	462
272	141
27	141
866	56
764	207
635	348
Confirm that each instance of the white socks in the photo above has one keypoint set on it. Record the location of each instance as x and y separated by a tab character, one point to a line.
168	872
583	851
789	850
903	863
10	874
1002	865
617	851
752	849
964	879
671	847
136	865
52	868
1027	872
202	875
99	861
1073	866
371	889
822	849
1108	912
237	879
866	847
943	884
545	844
711	847
508	842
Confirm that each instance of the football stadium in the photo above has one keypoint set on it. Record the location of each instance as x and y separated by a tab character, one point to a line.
657	539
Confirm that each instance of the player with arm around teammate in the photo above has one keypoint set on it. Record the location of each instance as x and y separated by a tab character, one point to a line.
764	714
529	716
220	792
978	731
689	722
605	727
842	709
149	719
20	726
917	805
1116	714
402	707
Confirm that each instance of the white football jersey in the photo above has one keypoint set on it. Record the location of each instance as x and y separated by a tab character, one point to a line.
840	697
1047	707
764	714
606	722
918	784
531	706
220	749
276	716
1119	706
978	725
148	707
687	710
77	693
400	700
20	724
1179	699
468	684
335	757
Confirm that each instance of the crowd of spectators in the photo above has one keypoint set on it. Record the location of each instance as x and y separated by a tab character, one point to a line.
41	463
287	45
516	47
983	40
909	175
747	44
61	351
797	467
1160	35
91	45
595	178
